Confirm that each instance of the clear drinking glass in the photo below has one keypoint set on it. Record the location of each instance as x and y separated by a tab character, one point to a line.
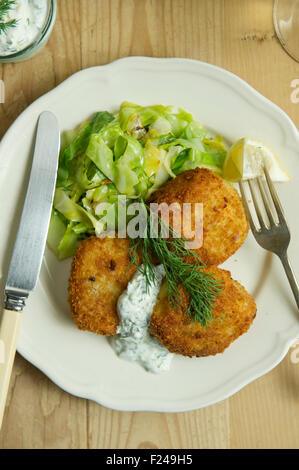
286	22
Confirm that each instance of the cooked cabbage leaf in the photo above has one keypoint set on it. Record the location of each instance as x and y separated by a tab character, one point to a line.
131	153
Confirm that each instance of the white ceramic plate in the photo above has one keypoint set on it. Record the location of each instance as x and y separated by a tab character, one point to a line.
83	363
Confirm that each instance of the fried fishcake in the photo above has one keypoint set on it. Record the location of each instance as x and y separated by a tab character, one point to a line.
225	226
233	312
100	273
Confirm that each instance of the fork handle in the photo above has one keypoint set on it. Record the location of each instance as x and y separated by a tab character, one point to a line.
291	276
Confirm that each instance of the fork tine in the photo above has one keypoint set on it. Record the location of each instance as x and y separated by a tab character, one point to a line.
247	210
274	195
256	205
266	204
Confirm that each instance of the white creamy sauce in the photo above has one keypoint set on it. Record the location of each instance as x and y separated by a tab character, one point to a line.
31	16
134	342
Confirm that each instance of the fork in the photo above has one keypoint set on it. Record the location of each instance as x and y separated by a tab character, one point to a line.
275	236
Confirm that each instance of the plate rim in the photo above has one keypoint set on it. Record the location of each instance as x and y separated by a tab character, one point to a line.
287	341
165	408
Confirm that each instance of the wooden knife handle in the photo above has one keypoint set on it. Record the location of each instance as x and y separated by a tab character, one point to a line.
9	332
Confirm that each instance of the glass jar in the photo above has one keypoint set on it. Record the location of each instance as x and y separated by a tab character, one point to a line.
286	22
39	42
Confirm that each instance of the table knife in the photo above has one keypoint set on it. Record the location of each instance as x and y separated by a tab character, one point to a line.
30	243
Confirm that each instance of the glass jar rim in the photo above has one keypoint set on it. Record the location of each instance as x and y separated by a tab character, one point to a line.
49	22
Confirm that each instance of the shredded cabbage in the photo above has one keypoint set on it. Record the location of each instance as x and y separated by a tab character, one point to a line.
130	153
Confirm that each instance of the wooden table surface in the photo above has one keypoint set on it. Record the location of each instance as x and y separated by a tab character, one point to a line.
239	36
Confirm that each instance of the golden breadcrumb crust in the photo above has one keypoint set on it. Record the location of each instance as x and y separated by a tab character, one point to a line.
225	226
100	273
233	312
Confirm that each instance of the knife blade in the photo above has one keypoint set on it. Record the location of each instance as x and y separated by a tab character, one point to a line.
30	242
32	233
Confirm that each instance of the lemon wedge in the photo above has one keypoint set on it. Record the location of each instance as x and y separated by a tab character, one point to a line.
245	160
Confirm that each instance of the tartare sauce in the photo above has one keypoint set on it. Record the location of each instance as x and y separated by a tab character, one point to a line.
134	342
31	16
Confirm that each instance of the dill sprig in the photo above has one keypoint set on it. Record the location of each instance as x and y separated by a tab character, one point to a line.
5	6
201	288
5	26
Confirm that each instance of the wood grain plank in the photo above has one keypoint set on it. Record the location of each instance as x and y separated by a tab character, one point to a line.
266	413
206	428
239	36
40	415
